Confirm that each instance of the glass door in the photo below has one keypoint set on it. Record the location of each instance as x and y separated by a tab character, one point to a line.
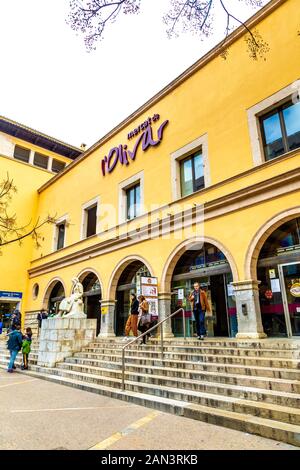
290	281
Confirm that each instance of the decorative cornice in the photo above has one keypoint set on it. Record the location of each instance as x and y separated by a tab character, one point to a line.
212	54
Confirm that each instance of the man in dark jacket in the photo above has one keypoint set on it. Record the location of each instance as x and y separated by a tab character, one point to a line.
14	344
43	315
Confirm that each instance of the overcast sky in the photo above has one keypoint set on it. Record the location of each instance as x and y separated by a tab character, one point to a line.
49	82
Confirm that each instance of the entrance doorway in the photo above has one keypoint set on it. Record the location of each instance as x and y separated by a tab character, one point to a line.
6	310
278	270
56	295
289	275
208	266
92	297
127	284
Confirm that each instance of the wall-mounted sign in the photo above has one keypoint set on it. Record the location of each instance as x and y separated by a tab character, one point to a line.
272	273
10	295
122	153
295	289
104	310
180	293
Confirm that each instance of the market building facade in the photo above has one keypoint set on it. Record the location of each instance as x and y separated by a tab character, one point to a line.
202	183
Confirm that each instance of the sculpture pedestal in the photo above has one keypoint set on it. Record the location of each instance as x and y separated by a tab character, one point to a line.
62	337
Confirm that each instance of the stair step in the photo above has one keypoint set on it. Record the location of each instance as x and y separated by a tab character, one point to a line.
241	405
203	350
264	427
283	385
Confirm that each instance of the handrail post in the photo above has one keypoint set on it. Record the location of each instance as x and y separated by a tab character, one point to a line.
123	369
162	342
184	327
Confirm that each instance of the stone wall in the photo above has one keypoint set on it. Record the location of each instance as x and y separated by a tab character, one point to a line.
62	337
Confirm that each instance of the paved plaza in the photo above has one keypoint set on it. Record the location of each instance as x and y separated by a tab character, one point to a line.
37	414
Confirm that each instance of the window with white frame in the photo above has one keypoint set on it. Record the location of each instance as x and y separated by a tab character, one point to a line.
131	197
89	218
274	125
190	168
60	228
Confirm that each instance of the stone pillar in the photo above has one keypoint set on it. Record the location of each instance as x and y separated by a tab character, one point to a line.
164	310
107	319
62	337
248	309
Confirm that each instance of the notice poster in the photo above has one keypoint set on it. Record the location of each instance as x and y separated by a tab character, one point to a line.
149	288
275	285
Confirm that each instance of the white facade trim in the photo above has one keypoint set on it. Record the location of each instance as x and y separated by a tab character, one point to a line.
253	120
63	219
197	144
123	186
88	205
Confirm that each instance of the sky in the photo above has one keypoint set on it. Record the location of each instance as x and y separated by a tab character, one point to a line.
48	81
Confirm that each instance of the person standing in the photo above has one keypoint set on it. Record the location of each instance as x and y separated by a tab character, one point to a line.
40	317
14	344
1	326
26	347
131	324
144	319
200	306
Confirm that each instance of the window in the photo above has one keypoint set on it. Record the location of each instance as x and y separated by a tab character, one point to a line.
40	160
91	221
281	130
133	198
60	235
192	174
57	166
35	291
21	154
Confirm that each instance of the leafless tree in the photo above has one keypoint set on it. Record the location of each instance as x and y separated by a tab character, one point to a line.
90	17
10	231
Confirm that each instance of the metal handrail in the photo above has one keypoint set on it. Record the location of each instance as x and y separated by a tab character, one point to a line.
146	333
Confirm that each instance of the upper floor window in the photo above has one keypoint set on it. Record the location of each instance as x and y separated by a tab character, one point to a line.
57	166
21	154
40	160
192	174
281	130
60	235
133	198
91	220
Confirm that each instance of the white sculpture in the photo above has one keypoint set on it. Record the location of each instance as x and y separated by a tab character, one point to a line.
72	307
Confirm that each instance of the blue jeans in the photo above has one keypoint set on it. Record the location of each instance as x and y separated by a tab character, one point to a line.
199	315
13	355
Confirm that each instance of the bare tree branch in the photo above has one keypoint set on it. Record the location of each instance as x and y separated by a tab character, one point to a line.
90	18
10	232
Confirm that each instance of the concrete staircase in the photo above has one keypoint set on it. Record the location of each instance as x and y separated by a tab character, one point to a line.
251	386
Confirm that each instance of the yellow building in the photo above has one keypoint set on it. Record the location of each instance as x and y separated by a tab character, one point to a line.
30	158
201	183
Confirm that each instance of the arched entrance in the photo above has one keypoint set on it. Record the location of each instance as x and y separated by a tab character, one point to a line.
207	264
278	269
55	293
92	296
124	283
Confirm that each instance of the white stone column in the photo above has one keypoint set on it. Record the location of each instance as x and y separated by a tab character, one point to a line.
248	309
107	319
164	310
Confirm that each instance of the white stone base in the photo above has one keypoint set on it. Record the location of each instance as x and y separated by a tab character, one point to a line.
251	335
62	337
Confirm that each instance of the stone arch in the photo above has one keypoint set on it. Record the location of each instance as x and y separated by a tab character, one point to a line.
114	279
262	235
50	286
86	271
181	248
